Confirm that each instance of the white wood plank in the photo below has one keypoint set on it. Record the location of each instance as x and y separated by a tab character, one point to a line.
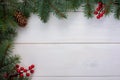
76	28
76	78
71	59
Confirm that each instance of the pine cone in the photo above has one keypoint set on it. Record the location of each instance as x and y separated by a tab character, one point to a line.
20	18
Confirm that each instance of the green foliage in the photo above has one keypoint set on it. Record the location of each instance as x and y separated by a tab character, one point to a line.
108	7
88	8
117	12
7	60
73	4
117	9
26	7
44	11
58	7
7	30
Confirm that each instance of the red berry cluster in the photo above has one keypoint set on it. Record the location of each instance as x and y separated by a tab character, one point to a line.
100	10
21	72
25	72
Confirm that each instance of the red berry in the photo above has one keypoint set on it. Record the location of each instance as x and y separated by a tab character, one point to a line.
21	68
98	9
27	74
100	3
21	75
96	12
17	66
18	70
25	70
98	17
32	66
101	15
32	71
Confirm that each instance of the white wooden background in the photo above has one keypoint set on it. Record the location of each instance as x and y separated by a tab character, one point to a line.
72	49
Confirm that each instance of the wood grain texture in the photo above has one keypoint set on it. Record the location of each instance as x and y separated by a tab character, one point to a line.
75	29
71	59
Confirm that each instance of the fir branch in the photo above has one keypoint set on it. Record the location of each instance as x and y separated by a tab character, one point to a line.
88	10
44	10
12	60
108	6
4	9
117	13
73	4
3	58
56	10
117	9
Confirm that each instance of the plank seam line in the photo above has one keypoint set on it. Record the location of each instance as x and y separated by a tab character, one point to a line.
81	76
72	43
